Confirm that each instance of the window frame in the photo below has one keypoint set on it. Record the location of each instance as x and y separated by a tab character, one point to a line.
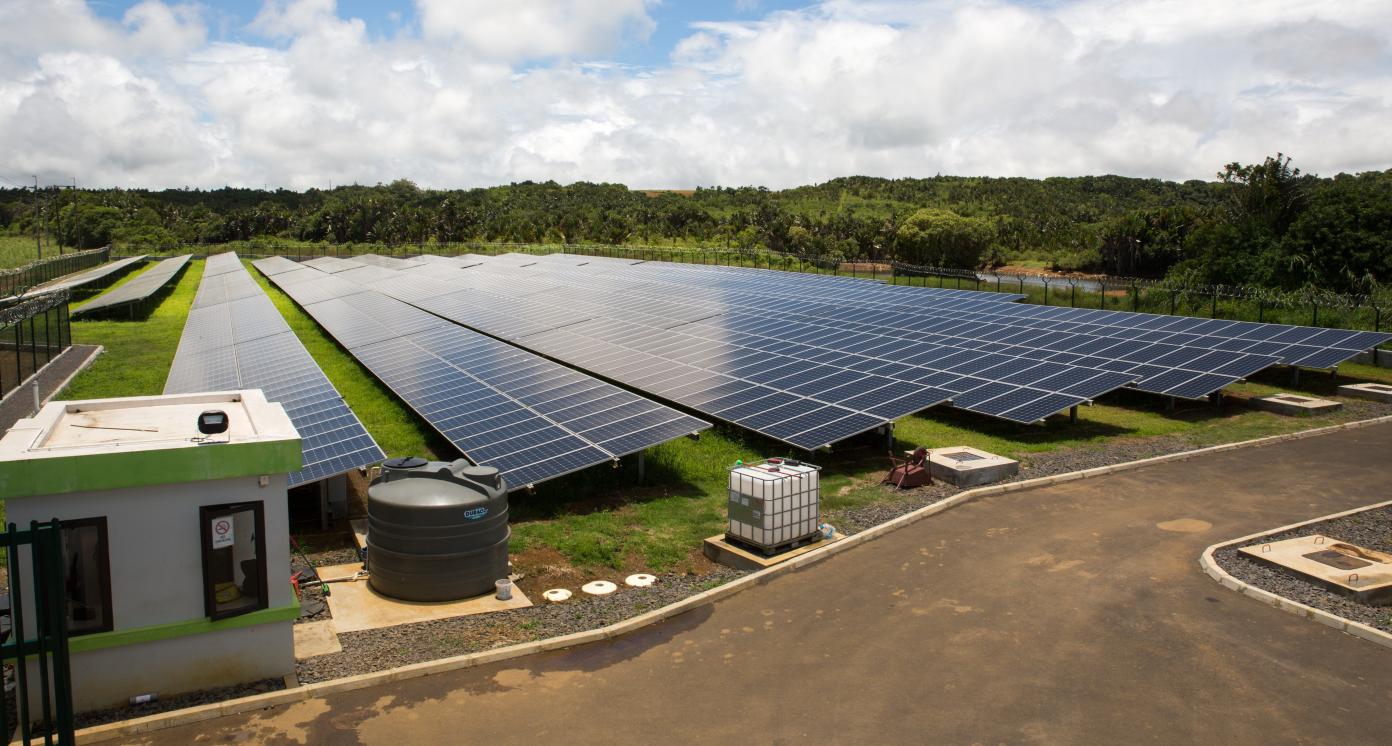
205	514
104	574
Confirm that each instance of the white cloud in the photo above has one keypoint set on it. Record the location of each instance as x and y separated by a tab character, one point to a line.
1154	88
536	28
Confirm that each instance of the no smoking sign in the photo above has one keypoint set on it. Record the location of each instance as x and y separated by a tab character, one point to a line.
222	532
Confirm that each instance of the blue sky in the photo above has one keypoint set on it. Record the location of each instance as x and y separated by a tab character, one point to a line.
387	18
461	93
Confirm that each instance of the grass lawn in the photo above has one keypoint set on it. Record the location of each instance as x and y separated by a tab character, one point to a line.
19	250
605	518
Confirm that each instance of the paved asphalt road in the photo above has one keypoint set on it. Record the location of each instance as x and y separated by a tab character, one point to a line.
1067	614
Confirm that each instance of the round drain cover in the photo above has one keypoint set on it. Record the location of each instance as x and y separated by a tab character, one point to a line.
556	595
641	580
599	588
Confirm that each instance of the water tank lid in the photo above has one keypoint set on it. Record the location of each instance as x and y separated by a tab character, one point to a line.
486	475
409	462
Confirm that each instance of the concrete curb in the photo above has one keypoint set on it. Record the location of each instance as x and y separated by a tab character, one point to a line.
1328	619
174	718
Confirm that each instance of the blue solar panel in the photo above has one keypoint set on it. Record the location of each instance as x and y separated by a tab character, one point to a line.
244	343
529	417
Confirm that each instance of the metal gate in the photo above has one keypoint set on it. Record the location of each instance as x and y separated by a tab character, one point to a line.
36	579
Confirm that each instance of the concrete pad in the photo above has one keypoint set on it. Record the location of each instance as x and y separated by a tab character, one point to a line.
356	606
339	572
965	466
1372	391
1364	575
1294	404
316	638
717	549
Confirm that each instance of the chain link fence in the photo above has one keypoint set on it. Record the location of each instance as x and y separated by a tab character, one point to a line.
19	279
32	332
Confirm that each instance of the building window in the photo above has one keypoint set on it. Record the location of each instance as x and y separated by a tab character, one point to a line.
234	559
87	587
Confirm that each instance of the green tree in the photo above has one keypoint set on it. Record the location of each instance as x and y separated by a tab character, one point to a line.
943	238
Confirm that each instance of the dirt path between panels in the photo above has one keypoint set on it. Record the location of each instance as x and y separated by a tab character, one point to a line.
1074	613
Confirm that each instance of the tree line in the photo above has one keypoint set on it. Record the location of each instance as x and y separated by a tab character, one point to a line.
1259	224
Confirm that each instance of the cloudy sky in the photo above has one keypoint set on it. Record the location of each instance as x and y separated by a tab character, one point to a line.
461	93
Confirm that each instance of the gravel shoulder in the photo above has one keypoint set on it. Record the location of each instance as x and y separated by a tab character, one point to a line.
1370	528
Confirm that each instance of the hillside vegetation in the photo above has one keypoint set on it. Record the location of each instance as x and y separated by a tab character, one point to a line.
1262	224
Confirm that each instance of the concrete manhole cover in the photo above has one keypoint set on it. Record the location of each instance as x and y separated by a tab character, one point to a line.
1184	526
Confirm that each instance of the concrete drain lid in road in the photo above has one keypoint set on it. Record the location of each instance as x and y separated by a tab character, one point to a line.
556	595
599	588
640	580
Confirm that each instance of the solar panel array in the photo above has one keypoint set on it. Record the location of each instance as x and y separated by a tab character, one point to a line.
139	289
702	356
89	276
649	324
235	338
937	324
531	418
1152	346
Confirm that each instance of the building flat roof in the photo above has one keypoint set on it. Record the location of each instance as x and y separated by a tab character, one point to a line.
106	443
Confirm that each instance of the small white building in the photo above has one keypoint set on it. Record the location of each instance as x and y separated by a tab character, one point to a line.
175	541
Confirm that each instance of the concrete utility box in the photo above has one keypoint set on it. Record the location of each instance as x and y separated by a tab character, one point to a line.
1379	392
1294	404
774	505
965	466
1362	574
175	539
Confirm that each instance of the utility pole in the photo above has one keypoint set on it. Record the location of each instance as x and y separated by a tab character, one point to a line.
77	241
38	246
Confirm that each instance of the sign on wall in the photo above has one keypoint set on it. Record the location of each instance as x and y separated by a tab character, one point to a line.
222	532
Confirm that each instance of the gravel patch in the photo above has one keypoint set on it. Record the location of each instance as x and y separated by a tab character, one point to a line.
1371	529
100	717
378	649
1062	461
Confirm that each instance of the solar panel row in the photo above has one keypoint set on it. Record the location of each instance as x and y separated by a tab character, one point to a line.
1179	356
90	276
529	417
1157	367
139	289
802	394
235	338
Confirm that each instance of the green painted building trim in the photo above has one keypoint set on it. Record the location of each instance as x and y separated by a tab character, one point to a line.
106	471
122	637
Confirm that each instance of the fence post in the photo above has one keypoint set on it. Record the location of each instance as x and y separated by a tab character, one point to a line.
1261	309
1046	290
1172	300
1314	312
1135	296
1214	312
1072	292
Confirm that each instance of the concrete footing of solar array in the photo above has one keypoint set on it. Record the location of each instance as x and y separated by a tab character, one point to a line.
127	728
1358	629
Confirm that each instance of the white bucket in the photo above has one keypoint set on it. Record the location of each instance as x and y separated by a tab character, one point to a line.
504	587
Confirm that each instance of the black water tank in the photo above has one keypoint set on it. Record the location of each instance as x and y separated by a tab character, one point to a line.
436	531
